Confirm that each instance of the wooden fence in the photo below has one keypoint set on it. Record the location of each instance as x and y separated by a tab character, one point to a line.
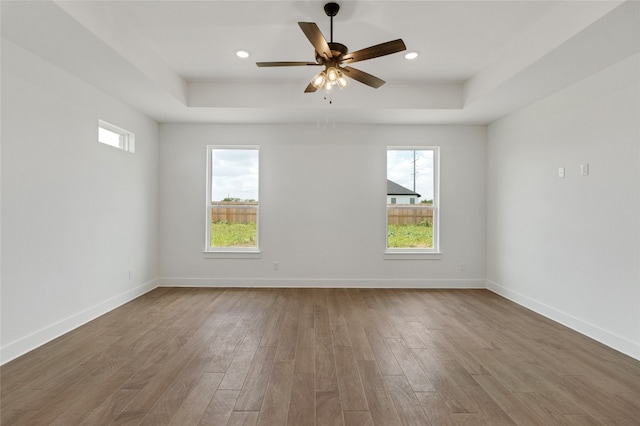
233	212
408	215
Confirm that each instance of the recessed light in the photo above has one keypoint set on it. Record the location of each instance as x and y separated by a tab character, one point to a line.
242	54
411	55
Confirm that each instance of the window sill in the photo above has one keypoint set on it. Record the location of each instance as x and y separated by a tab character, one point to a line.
232	254
412	255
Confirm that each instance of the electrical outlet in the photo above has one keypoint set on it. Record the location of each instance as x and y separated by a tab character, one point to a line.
561	172
276	266
130	275
463	267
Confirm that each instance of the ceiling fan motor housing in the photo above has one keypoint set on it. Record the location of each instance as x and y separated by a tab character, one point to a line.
338	50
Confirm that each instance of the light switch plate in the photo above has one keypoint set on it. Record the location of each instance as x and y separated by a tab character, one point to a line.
584	169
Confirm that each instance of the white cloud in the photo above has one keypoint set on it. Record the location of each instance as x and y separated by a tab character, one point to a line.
400	169
234	174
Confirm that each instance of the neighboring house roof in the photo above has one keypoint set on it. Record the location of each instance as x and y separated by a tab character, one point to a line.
395	189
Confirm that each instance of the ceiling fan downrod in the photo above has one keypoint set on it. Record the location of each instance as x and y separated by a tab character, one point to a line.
331	9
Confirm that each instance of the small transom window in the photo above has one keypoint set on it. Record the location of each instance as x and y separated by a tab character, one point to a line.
115	136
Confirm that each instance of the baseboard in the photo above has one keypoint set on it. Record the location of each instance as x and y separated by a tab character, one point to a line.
28	343
614	341
321	283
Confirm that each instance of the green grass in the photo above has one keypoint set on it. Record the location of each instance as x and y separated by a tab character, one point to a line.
224	234
410	236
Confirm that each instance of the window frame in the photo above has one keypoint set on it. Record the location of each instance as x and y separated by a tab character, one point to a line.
228	252
410	252
127	139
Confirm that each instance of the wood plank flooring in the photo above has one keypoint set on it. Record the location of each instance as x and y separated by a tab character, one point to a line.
181	356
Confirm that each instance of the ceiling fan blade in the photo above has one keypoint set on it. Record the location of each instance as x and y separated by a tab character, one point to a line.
310	88
375	51
313	33
363	77
285	64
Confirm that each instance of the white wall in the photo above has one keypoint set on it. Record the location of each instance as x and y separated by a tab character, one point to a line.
569	248
77	215
324	238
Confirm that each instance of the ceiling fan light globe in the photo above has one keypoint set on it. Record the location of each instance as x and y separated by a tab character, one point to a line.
319	80
342	82
333	74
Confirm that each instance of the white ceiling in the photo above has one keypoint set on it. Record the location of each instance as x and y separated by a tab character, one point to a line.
175	60
198	39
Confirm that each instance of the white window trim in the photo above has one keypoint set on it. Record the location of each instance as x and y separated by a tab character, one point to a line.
127	138
409	255
228	252
231	255
433	253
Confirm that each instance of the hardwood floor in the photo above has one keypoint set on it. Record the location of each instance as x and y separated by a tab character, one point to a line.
179	356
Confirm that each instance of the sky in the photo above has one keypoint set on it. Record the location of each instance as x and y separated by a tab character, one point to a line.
235	172
400	170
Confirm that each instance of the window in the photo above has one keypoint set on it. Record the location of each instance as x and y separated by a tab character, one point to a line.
116	137
412	199
232	199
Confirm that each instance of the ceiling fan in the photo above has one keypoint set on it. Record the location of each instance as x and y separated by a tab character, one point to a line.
332	55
